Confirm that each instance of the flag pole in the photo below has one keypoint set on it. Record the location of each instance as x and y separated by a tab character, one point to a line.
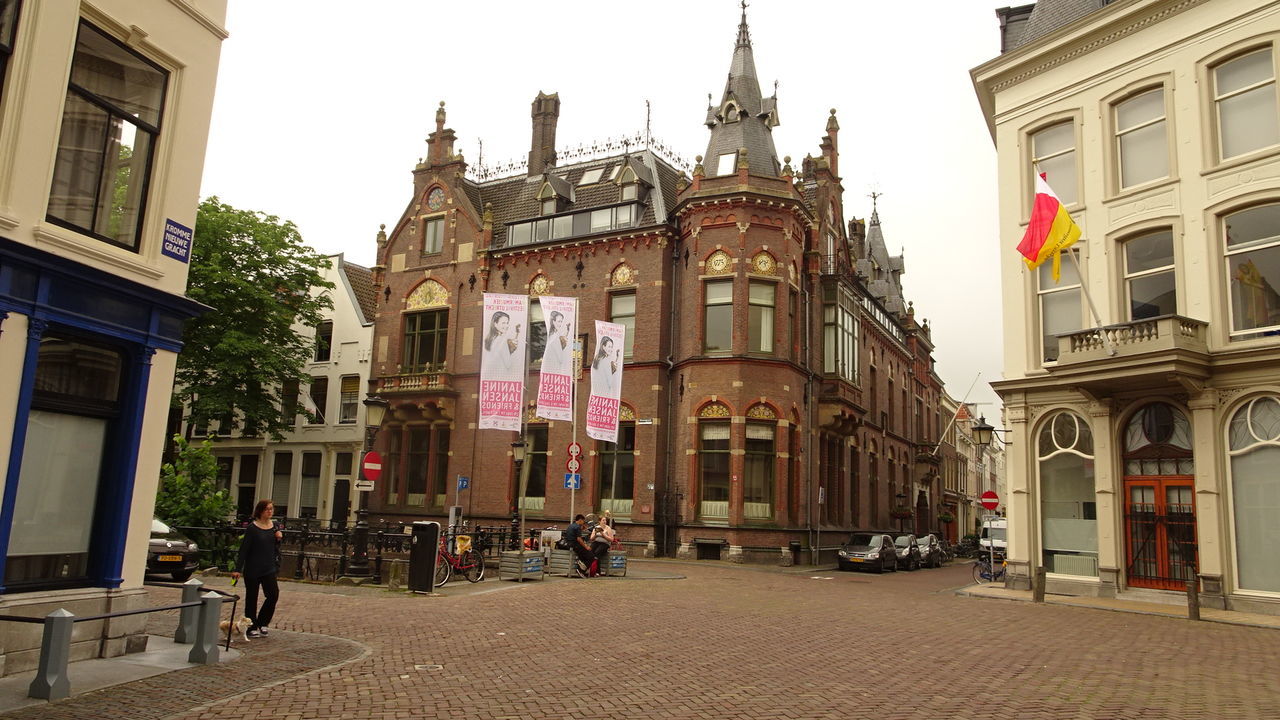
956	415
1084	288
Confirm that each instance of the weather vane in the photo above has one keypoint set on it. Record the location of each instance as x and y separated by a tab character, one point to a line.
874	196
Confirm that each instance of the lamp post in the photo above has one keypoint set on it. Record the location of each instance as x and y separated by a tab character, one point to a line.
517	513
982	433
375	410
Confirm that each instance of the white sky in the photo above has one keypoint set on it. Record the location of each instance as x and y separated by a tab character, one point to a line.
323	108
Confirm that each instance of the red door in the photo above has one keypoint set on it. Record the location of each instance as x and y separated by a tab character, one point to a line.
1160	532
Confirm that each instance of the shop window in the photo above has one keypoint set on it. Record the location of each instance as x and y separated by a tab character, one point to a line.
1254	454
1068	516
110	123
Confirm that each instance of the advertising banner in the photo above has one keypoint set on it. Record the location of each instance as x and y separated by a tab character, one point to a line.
606	382
555	382
503	361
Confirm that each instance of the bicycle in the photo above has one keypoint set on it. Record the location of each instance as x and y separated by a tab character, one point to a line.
982	572
467	561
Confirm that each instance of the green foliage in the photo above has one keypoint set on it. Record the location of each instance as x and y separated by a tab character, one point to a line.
263	285
189	494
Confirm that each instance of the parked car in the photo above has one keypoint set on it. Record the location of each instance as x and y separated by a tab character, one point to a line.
171	552
868	550
907	550
930	551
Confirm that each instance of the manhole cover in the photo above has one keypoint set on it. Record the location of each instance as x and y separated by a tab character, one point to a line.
428	667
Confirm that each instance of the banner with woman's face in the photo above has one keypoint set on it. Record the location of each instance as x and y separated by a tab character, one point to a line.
606	381
555	381
502	360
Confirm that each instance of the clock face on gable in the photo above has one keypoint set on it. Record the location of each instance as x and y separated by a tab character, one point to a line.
435	199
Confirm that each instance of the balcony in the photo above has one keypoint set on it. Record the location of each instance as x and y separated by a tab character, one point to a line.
429	381
1149	353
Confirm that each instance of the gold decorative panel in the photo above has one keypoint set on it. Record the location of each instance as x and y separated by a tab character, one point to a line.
626	413
624	274
427	295
540	285
714	410
761	412
764	264
719	263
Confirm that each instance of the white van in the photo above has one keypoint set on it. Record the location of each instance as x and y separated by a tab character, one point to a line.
994	530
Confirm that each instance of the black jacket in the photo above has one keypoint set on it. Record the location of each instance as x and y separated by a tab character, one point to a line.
259	552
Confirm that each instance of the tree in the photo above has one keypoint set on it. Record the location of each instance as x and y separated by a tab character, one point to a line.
263	284
189	494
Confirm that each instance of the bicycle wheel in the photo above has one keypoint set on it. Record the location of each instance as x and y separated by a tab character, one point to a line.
980	573
443	571
471	563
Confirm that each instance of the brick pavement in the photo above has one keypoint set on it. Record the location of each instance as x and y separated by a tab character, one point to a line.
733	642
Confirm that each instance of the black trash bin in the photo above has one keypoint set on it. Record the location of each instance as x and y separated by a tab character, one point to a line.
423	551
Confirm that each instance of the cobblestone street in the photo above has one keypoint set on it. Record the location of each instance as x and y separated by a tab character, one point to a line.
725	642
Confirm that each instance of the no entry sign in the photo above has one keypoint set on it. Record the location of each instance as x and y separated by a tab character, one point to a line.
990	500
371	468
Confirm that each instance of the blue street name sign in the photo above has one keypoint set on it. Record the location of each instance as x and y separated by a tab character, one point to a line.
572	481
177	241
464	482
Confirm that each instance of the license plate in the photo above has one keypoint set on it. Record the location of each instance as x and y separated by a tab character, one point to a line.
170	558
858	559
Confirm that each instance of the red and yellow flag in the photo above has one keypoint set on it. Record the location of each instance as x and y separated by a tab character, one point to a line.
1050	231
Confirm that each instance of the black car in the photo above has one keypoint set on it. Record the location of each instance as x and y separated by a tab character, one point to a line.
171	553
930	551
869	551
908	551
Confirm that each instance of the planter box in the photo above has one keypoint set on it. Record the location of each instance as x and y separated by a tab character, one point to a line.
617	563
560	563
512	565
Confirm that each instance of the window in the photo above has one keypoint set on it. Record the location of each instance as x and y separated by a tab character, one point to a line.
622	310
1068	505
1149	276
425	340
760	317
591	176
289	400
757	487
1059	305
1244	95
109	127
433	236
1053	151
535	495
391	464
319	394
226	423
717	332
1254	453
617	471
601	220
571	225
349	399
419	455
67	463
281	479
324	341
549	206
713	467
1252	239
8	29
629	191
1141	142
225	468
440	466
840	335
727	164
537	333
309	502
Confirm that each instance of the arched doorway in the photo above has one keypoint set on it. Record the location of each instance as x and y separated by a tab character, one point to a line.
1159	500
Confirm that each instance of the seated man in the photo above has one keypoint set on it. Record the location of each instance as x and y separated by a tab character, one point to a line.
574	535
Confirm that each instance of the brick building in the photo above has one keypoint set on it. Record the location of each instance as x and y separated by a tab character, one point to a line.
776	385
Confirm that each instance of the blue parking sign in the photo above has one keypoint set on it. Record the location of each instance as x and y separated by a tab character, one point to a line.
464	482
572	481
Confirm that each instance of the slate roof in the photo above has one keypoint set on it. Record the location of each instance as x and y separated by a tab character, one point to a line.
886	283
752	129
1049	15
515	198
361	281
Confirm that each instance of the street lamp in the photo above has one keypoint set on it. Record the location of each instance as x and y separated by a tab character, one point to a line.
982	432
375	410
518	450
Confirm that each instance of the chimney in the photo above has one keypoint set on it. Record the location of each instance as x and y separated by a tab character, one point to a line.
542	151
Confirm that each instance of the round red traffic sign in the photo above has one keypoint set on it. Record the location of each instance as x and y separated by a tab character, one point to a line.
574	449
990	500
573	465
371	468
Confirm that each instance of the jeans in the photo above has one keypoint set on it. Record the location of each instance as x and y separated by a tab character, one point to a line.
261	617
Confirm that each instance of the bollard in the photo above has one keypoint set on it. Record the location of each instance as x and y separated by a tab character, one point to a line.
205	650
51	682
1193	600
1037	591
186	632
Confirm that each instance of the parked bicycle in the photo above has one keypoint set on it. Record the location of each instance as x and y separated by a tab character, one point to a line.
983	573
466	560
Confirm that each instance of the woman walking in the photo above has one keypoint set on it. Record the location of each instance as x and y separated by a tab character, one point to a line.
259	562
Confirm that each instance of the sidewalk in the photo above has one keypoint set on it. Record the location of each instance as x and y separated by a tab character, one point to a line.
1229	617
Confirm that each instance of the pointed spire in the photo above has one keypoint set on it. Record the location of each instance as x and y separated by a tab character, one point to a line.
744	118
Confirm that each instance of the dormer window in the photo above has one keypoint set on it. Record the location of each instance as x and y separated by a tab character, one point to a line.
549	206
727	164
731	113
629	191
591	176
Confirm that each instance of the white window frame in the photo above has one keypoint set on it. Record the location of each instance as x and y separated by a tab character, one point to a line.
1217	100
1129	277
1042	292
727	164
1121	132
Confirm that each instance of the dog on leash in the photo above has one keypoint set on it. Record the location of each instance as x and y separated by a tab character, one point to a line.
241	626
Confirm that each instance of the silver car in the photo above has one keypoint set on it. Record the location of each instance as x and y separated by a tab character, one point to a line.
868	551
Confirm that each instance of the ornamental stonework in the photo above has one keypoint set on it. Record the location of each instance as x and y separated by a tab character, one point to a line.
714	410
541	285
764	264
761	412
626	413
429	294
624	274
719	263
